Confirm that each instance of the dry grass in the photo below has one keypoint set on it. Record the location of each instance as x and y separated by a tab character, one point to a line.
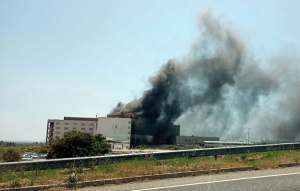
146	167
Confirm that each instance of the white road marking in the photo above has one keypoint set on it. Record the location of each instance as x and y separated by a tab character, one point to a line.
219	181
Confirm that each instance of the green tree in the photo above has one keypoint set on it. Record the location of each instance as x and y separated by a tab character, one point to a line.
100	145
43	150
77	144
11	154
10	144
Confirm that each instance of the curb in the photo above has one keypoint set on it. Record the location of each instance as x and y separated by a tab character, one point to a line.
289	164
131	179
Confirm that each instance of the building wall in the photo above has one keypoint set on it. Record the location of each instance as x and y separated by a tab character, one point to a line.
141	140
117	128
190	140
119	146
63	126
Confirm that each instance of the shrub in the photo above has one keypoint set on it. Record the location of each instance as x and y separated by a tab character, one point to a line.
244	156
100	146
78	144
43	150
11	155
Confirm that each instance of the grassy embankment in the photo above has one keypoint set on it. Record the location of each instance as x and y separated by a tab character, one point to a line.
146	167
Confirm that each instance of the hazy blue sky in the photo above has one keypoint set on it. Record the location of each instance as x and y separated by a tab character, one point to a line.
79	58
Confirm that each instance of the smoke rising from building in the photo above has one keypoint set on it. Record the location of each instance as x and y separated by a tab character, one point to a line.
219	89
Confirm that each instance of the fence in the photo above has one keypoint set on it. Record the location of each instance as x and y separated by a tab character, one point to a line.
95	160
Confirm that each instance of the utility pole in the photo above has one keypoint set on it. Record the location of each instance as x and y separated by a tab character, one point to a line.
285	134
248	136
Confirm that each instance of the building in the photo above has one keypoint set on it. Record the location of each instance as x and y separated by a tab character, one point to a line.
212	144
118	130
145	132
58	127
191	140
124	131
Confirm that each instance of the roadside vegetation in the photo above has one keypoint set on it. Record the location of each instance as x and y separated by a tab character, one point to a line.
78	144
21	149
11	154
145	166
72	144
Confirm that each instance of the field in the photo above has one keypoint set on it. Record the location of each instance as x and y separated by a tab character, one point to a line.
149	166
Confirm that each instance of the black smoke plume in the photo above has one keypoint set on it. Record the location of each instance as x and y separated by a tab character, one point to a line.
219	89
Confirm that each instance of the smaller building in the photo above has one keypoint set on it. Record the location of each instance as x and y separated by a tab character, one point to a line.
114	145
213	144
192	140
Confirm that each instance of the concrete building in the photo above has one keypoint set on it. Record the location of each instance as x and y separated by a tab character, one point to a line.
123	131
144	132
118	130
191	140
58	127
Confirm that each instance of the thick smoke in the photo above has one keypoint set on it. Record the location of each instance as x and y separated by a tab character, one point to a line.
219	89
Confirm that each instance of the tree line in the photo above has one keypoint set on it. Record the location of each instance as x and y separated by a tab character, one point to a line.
72	144
7	144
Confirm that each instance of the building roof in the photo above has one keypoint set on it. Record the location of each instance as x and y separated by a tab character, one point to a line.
81	118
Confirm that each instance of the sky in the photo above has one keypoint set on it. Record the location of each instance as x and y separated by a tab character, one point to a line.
80	58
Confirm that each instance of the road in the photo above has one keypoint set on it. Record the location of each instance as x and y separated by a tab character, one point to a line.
268	180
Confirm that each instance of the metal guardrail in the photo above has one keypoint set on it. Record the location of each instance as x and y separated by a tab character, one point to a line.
95	160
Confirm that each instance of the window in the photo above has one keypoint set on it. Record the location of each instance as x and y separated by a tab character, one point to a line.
66	128
57	123
90	128
128	138
57	127
83	124
66	123
91	124
128	122
74	128
129	133
129	127
82	128
57	132
74	123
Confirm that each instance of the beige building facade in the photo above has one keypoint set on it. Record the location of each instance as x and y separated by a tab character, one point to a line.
119	129
116	129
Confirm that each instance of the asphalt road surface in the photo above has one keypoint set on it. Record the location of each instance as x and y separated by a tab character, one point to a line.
284	179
